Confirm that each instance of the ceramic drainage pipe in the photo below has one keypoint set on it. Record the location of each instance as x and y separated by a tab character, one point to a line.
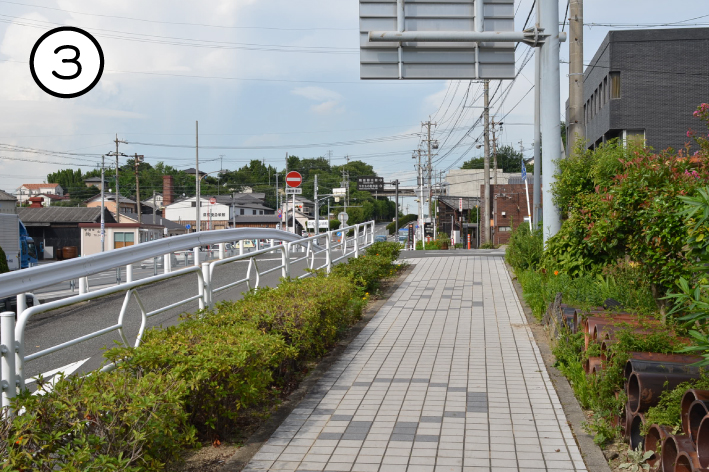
687	462
653	442
636	425
665	363
697	411
689	397
644	388
671	447
703	442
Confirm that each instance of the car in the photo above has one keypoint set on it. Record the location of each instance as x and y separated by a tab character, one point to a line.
380	238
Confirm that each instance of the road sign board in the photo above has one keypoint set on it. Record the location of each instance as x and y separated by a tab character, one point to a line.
436	60
370	183
212	201
293	190
188	226
339	191
460	204
280	213
322	223
294	179
343	217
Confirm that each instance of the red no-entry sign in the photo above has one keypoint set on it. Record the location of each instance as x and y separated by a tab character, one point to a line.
294	179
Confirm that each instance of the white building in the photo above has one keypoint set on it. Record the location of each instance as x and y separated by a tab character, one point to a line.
467	182
26	191
218	215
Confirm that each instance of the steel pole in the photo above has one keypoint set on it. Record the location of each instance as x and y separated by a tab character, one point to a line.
486	167
550	113
8	368
537	188
315	191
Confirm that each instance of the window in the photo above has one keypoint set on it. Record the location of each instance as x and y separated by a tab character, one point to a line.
194	204
260	212
615	84
241	211
605	91
253	212
123	239
634	137
504	229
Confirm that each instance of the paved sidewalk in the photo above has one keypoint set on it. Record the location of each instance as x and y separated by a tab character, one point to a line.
445	377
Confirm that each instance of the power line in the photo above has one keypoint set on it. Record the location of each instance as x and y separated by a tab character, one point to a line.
175	22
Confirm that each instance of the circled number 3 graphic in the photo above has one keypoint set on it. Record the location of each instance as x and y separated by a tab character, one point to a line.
66	62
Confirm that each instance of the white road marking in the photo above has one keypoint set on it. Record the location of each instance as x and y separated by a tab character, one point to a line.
53	375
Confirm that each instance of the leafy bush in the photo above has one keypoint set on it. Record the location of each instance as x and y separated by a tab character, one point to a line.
106	421
525	248
403	221
387	249
366	271
668	412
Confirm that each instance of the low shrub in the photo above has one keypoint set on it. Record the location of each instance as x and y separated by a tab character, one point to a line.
403	221
525	248
366	271
387	249
105	421
3	262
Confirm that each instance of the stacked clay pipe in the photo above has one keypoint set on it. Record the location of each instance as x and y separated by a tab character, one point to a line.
646	375
688	450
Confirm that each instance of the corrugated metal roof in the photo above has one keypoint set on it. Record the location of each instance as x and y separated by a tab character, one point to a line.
56	214
257	219
453	202
4	196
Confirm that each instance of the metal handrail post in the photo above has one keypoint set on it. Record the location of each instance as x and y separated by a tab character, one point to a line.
83	288
207	282
241	247
8	374
222	248
166	263
356	241
129	273
196	256
285	260
328	252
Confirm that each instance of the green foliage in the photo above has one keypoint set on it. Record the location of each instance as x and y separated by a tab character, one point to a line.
525	248
488	245
105	421
509	159
637	459
668	412
383	248
3	262
366	271
403	221
625	202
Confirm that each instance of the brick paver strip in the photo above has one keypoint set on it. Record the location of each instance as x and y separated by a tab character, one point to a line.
445	377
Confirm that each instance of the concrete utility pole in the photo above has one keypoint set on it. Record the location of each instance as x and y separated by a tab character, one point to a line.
550	113
494	152
431	143
278	202
396	215
155	208
577	126
198	220
486	168
315	192
103	207
117	155
136	164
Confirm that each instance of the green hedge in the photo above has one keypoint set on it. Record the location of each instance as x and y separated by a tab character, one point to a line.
403	221
191	380
3	262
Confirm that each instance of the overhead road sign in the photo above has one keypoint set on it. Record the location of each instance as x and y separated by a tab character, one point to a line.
445	39
370	183
293	191
293	179
339	191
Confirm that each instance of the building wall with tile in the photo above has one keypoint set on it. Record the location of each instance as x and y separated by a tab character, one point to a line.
508	208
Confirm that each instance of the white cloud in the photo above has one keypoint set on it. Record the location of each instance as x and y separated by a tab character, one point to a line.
318	94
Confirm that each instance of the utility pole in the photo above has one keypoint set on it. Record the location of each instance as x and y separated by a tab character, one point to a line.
278	201
429	169
221	169
315	192
494	152
486	167
537	189
198	220
103	207
396	215
577	126
155	208
118	198
136	164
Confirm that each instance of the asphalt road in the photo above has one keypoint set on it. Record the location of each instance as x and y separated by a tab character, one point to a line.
58	326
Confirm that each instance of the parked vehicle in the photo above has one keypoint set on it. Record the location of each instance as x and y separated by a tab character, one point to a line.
19	247
380	238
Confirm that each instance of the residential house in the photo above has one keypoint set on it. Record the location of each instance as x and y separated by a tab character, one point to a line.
127	205
8	203
26	191
95	182
221	214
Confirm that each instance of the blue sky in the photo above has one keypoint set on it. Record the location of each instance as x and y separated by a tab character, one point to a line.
274	76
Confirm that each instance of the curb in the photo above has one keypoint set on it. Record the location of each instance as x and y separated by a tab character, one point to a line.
592	454
252	445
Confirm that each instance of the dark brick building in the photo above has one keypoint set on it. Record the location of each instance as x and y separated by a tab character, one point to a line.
508	208
645	84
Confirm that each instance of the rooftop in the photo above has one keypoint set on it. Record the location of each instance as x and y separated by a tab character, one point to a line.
55	214
6	197
38	186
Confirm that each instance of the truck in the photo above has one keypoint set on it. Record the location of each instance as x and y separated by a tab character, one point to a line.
19	247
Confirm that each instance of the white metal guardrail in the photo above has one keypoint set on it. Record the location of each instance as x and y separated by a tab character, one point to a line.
12	332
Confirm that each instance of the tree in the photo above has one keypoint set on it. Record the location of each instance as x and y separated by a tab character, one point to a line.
508	159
